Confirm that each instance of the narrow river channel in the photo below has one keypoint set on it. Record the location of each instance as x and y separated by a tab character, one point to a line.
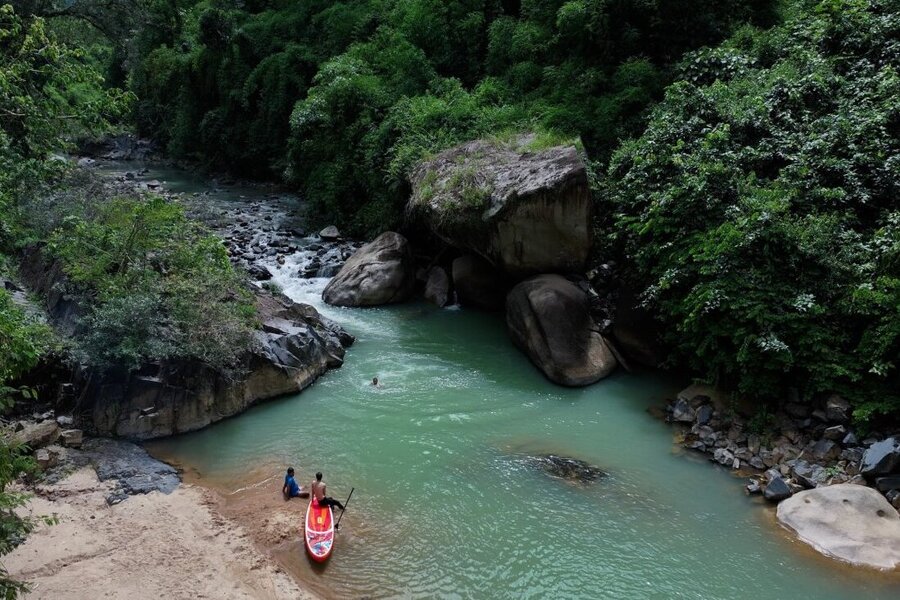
447	504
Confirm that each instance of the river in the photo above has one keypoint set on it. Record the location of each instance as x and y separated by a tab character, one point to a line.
446	504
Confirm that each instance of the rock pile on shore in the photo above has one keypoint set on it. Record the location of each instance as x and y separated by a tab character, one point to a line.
795	448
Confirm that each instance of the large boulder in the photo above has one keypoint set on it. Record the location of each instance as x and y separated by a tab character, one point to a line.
381	272
294	346
525	211
549	320
850	522
477	283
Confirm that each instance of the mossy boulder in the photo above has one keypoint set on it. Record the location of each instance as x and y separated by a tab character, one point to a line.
523	207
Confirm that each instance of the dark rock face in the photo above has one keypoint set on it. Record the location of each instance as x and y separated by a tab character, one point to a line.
295	346
570	469
882	458
837	410
525	212
635	331
477	283
549	320
129	465
381	272
437	287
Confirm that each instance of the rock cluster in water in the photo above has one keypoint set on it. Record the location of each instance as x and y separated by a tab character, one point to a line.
564	467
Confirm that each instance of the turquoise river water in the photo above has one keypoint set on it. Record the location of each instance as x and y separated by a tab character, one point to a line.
447	505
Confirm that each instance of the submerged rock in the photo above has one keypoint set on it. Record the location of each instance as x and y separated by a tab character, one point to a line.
570	469
549	320
525	211
853	523
381	272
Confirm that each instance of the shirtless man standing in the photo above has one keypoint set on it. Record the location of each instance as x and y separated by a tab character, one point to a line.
318	490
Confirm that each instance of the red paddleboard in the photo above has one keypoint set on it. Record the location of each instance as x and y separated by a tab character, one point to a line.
319	531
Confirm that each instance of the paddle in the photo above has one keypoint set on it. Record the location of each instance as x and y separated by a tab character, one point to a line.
338	524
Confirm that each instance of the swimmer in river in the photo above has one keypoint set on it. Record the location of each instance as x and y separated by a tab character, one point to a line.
375	382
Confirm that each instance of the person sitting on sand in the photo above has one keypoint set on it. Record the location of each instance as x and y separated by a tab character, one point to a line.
290	489
318	490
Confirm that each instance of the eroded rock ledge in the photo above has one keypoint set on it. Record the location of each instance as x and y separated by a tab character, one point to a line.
295	346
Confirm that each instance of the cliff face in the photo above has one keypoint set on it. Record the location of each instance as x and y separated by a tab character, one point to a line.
294	345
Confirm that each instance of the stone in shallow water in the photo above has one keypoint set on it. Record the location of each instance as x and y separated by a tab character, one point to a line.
849	522
570	469
777	490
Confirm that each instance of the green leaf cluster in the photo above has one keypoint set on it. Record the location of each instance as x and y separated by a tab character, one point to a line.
157	285
759	207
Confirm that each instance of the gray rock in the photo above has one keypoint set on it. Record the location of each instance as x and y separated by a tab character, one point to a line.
776	490
682	412
381	272
850	440
43	459
753	487
135	471
723	456
72	438
65	421
881	458
850	522
757	463
835	432
704	414
819	415
437	287
807	475
525	212
330	233
837	410
825	450
37	435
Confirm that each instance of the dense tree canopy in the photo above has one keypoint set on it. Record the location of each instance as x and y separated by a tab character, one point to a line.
759	208
326	93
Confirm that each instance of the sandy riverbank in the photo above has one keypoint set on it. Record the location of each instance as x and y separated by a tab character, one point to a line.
149	546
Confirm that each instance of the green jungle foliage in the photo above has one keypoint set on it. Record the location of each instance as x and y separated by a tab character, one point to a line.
759	208
340	98
157	284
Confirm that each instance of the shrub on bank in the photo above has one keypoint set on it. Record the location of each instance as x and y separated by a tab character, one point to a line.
156	286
